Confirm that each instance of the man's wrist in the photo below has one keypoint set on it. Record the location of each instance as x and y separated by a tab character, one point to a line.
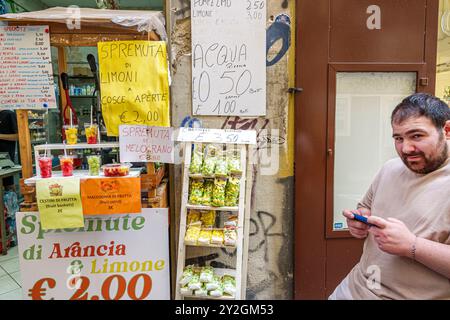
412	253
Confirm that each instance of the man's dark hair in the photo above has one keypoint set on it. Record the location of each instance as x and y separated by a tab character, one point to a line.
422	104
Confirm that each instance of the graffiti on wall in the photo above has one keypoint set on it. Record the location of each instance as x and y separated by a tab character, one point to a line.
280	29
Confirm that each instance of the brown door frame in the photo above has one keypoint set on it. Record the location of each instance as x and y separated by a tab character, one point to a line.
311	246
333	69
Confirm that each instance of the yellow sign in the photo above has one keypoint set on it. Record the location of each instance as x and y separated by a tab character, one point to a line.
134	84
59	203
111	195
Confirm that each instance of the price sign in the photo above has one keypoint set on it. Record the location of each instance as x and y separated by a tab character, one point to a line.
146	144
229	57
26	75
134	84
203	135
110	258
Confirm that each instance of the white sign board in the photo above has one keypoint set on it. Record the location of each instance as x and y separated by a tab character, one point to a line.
146	144
229	57
26	76
203	135
111	258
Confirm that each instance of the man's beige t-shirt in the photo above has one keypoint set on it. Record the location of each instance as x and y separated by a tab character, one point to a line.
422	202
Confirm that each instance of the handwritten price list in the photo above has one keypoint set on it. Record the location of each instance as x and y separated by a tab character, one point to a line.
229	57
26	76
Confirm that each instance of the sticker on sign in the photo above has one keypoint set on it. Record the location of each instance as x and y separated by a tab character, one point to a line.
202	135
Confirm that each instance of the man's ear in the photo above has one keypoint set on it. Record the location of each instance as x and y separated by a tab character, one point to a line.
447	129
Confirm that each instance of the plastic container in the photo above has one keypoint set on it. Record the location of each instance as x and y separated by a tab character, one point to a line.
116	169
71	134
45	166
66	163
94	163
91	131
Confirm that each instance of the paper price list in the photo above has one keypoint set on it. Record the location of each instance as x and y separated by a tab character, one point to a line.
26	77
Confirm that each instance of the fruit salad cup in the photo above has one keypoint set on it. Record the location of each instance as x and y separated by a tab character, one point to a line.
66	163
94	162
71	134
116	169
91	131
45	166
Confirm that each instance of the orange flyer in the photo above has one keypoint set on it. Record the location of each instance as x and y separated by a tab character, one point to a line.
111	195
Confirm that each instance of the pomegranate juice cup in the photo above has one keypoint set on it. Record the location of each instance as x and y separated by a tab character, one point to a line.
45	166
71	134
91	131
66	163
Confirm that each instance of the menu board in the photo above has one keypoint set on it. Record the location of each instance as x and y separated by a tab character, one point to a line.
26	76
229	57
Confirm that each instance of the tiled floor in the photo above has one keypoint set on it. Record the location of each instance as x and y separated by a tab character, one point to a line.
10	283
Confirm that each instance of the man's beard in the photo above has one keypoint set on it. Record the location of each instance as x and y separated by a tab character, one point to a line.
430	164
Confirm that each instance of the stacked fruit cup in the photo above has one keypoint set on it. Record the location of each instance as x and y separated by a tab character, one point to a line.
94	162
71	134
66	163
91	130
45	166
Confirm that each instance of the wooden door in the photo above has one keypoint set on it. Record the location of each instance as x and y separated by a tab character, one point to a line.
333	37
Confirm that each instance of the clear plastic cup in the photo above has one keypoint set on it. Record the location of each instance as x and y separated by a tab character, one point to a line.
94	162
45	166
66	163
71	134
91	131
116	169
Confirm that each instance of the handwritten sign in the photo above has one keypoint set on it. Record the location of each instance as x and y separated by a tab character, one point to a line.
108	258
134	84
229	57
203	135
111	195
146	144
59	203
26	76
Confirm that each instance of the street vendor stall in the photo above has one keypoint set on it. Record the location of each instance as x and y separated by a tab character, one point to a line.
88	217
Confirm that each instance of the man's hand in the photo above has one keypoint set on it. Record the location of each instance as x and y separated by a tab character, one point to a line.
392	236
357	229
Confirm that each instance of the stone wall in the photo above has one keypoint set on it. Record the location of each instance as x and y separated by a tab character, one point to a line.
270	260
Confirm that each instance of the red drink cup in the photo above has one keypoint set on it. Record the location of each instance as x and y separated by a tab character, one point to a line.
66	166
45	166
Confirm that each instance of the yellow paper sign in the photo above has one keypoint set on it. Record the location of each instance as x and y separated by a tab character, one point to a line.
134	84
59	203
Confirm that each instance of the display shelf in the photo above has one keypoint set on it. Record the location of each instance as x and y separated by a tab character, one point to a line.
210	246
82	174
61	146
200	207
220	272
82	96
242	211
202	176
38	141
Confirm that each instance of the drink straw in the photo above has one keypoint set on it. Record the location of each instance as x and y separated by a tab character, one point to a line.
91	115
65	151
71	121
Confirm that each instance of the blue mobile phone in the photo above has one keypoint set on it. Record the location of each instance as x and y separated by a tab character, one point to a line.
361	219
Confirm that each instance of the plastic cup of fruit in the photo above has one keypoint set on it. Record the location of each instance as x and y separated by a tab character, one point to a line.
94	162
45	166
91	131
116	169
71	134
66	163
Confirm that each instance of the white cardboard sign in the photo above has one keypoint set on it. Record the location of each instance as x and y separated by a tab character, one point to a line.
204	135
111	258
26	76
229	57
146	144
